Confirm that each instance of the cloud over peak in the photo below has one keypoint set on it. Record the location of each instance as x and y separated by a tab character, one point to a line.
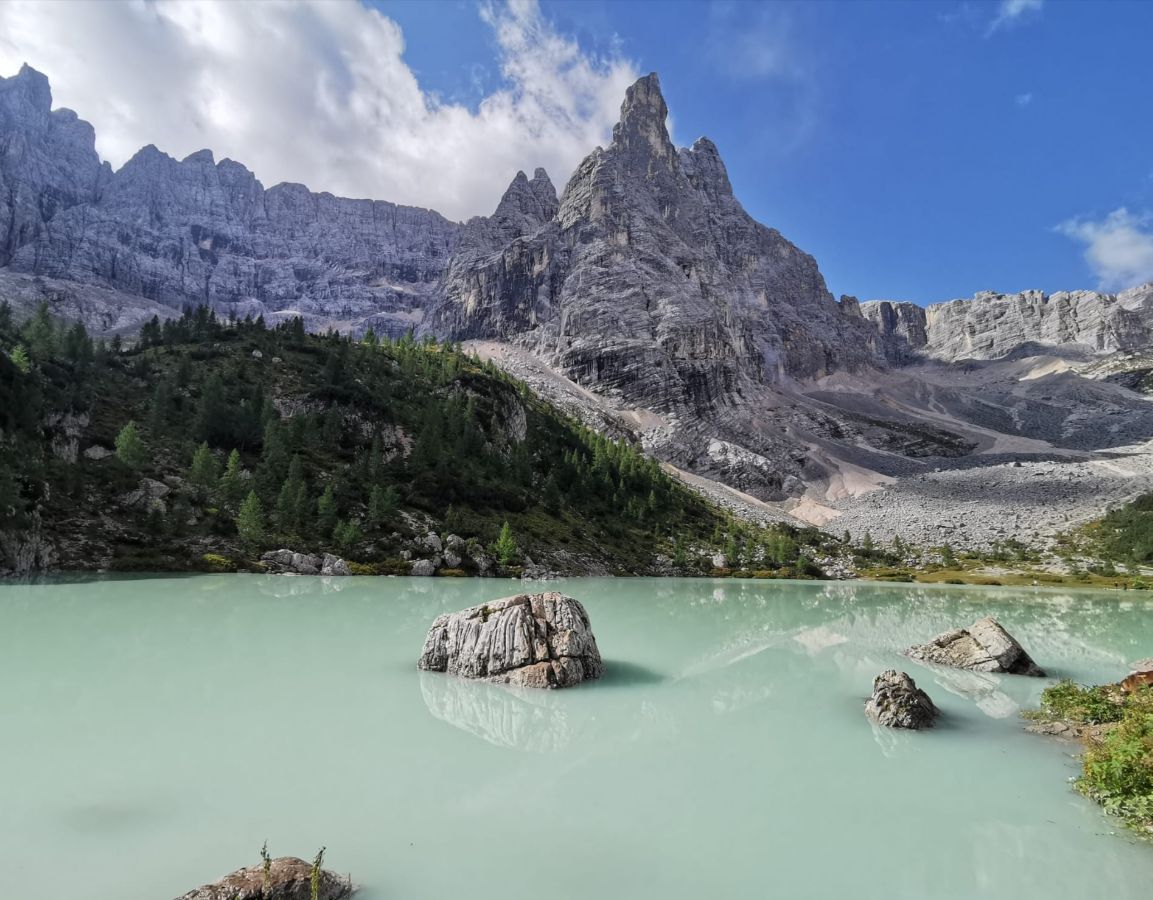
1118	248
319	92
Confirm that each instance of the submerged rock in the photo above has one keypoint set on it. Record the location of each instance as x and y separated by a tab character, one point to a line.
983	647
898	703
289	879
532	640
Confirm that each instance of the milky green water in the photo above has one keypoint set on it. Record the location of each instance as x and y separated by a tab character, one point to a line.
155	731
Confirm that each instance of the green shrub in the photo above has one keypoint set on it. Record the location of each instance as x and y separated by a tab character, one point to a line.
363	568
1118	772
1071	702
218	563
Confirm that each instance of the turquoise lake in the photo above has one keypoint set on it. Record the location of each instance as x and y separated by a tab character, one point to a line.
156	731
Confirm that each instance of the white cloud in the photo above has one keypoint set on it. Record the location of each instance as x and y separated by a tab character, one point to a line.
1118	248
319	92
1024	99
1011	13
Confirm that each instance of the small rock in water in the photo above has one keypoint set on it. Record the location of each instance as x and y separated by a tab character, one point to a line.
983	647
289	879
532	640
898	703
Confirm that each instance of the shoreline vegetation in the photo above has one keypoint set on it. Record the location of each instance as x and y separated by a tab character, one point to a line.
1114	724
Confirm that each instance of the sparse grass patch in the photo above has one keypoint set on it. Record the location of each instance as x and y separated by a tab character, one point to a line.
1070	702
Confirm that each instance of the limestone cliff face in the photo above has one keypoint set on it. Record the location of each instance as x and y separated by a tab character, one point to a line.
650	282
993	326
48	160
197	231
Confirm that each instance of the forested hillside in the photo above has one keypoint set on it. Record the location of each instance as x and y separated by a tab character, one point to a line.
208	442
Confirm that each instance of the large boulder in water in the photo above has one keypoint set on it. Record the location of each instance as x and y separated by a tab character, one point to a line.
532	640
898	703
983	647
289	879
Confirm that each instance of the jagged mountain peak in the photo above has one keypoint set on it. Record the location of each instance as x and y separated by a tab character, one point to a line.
643	105
33	84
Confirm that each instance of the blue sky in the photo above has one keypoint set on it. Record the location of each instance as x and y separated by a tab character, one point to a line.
920	150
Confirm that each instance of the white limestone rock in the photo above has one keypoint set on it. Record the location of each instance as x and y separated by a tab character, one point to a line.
983	647
532	640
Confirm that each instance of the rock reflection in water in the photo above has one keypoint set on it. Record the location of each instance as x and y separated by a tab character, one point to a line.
537	721
506	716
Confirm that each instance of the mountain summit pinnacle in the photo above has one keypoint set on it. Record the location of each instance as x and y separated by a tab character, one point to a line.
643	116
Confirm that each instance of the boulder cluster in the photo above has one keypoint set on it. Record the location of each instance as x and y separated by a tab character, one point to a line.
289	562
984	646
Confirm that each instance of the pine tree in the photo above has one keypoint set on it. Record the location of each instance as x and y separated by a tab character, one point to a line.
150	332
505	547
40	334
204	472
292	503
382	503
346	534
161	407
212	416
326	511
77	345
232	482
20	360
130	449
250	521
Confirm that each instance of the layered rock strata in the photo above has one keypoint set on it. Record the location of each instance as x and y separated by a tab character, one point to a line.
530	640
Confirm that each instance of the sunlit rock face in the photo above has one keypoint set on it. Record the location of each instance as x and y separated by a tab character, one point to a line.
650	282
983	647
993	326
197	231
530	640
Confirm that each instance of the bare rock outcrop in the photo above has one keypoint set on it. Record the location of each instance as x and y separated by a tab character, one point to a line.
993	326
983	647
289	878
289	562
897	702
531	640
202	231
